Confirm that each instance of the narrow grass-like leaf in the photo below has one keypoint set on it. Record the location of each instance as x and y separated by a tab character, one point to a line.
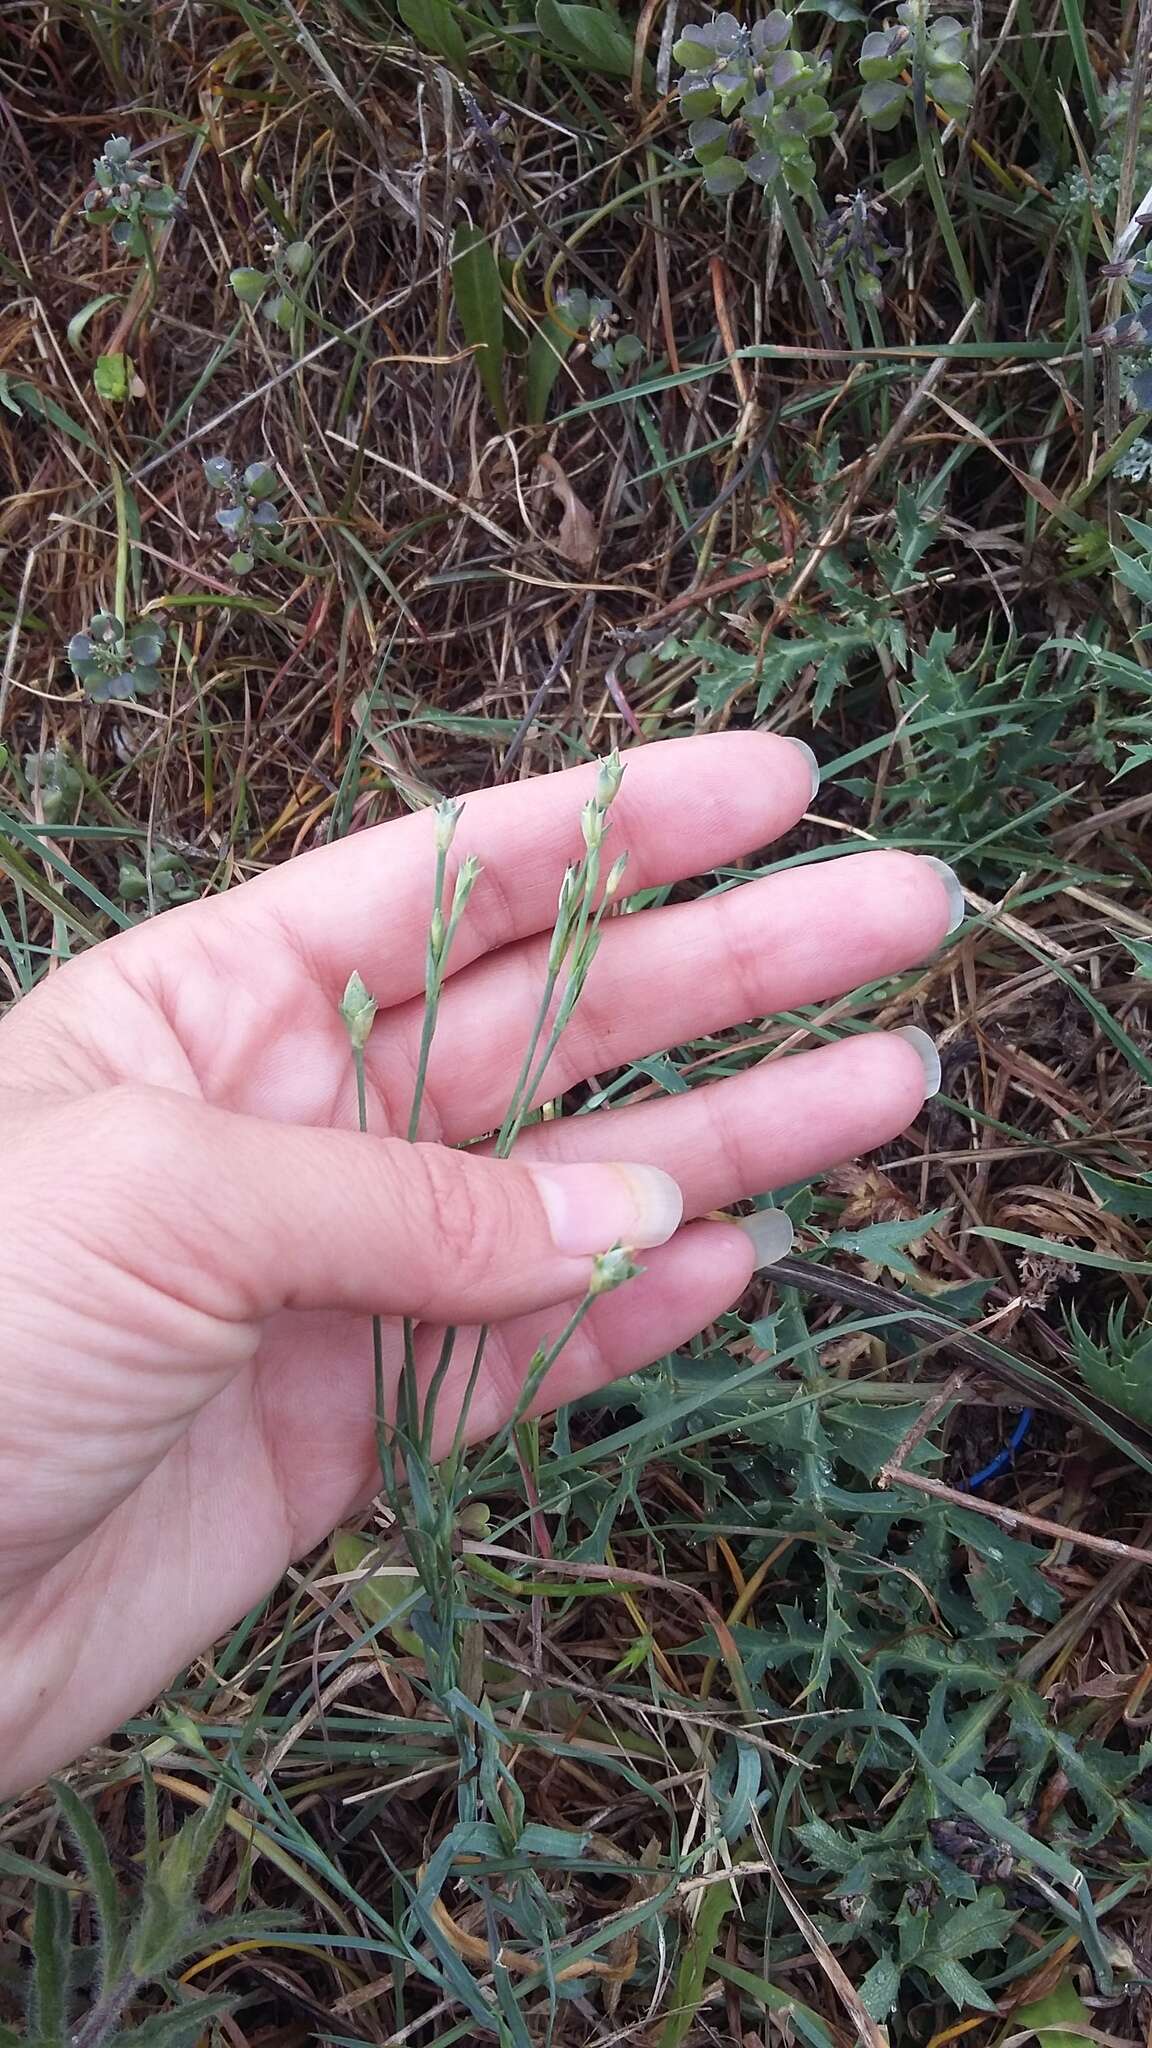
105	1890
591	35
52	1959
783	2004
79	321
180	2025
480	304
435	25
695	1963
547	349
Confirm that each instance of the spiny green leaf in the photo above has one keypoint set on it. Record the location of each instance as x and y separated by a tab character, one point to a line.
1008	1570
961	1986
884	1243
880	1987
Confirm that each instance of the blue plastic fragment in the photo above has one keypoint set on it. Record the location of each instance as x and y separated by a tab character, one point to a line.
1004	1457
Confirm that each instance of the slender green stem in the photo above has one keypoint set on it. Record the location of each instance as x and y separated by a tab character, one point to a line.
926	144
383	1450
416	1427
435	1388
518	1106
433	976
120	601
534	1378
798	242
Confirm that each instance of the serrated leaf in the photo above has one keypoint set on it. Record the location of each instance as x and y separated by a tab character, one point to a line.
435	25
880	1987
589	34
883	1243
961	1986
1134	574
826	1846
968	1930
480	304
1010	1570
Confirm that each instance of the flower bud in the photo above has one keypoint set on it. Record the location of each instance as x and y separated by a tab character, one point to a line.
358	1009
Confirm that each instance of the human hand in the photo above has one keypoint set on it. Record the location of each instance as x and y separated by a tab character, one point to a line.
197	1235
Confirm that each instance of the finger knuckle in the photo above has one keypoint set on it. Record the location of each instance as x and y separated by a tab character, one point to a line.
137	1132
466	1215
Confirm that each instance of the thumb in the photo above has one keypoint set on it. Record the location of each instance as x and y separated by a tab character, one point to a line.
238	1217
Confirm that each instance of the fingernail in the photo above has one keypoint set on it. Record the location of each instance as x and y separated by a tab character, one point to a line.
929	1057
771	1233
592	1208
951	881
809	756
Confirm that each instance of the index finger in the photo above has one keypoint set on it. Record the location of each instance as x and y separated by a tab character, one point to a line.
684	806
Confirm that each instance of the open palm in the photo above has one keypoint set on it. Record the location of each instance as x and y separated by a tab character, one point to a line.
197	1234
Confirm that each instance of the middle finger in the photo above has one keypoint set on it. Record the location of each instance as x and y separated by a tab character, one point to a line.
666	976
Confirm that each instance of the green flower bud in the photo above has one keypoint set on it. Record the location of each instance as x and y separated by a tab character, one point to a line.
358	1010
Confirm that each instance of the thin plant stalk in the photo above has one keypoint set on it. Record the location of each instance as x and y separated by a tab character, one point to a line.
433	1495
799	245
609	1271
925	142
574	943
358	1009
